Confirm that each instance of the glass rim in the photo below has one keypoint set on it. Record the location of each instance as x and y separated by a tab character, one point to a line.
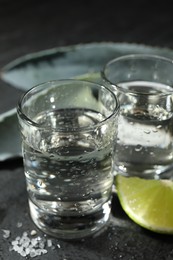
136	56
30	122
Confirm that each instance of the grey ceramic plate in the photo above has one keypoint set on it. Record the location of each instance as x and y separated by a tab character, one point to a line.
83	61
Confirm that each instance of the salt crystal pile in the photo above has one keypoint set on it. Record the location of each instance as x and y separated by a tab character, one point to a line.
32	247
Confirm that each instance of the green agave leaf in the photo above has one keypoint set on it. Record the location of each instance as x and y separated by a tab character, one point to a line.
68	62
10	144
83	61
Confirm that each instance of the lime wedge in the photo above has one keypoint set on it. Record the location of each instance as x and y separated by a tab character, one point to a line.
149	203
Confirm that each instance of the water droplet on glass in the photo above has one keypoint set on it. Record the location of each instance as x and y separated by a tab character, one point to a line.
147	131
39	183
159	126
70	161
52	176
138	148
86	194
118	140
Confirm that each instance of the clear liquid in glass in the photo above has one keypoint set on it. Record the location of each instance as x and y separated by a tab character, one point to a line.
145	132
69	177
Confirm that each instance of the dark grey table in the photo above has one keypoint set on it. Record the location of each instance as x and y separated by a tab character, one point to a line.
30	26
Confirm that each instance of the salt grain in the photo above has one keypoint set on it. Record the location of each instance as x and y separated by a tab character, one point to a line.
6	233
49	243
19	224
58	245
33	253
14	243
34	242
25	234
41	244
33	232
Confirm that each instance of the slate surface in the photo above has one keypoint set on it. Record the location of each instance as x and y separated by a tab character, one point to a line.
122	239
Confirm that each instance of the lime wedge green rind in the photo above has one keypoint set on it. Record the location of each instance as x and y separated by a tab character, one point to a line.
149	203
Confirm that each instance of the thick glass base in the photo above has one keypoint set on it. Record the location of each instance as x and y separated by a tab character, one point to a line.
70	227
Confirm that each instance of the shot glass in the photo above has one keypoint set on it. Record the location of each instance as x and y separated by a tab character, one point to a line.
68	130
144	86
